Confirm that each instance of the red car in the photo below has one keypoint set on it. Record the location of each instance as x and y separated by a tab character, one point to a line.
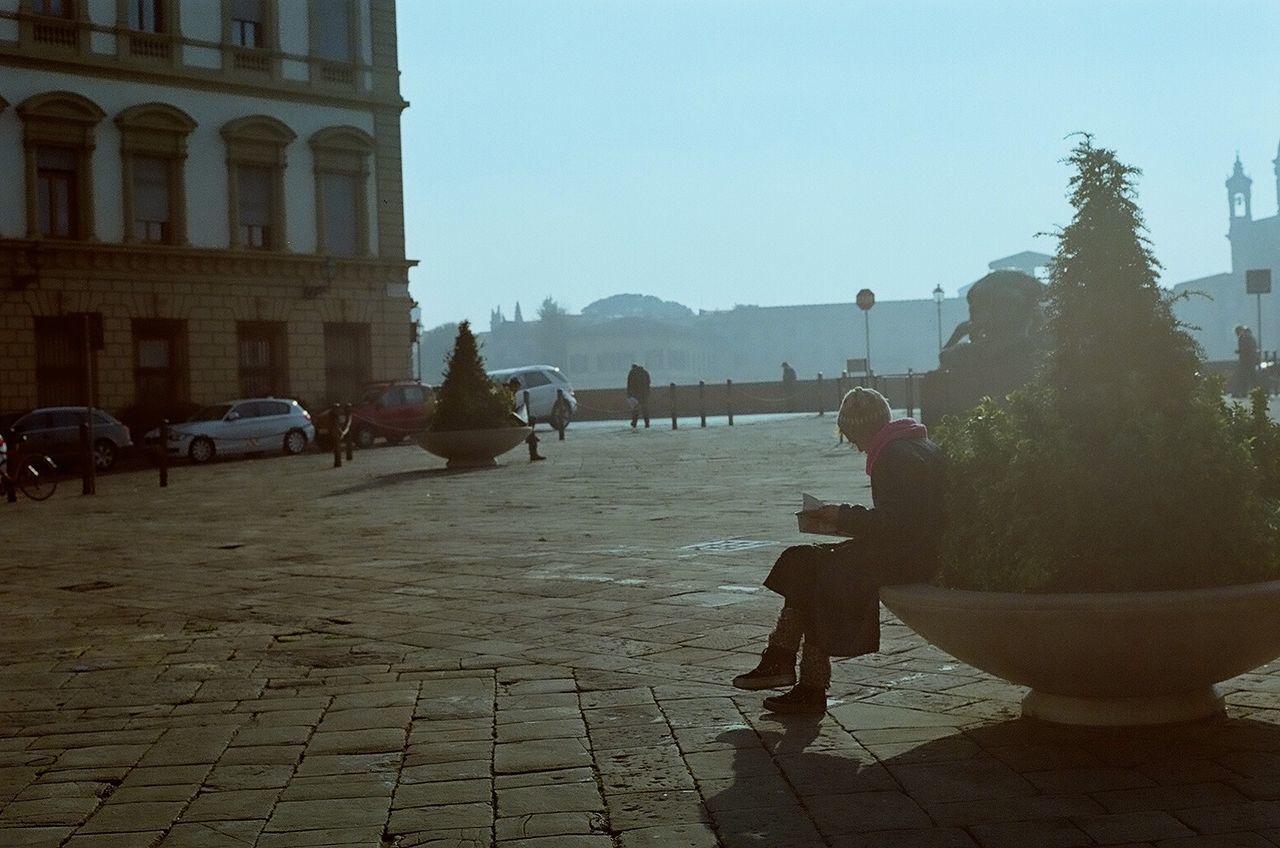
387	410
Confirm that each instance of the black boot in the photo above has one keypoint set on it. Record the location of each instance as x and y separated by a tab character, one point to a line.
802	700
777	669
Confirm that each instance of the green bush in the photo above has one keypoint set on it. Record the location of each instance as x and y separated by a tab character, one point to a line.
1120	467
468	399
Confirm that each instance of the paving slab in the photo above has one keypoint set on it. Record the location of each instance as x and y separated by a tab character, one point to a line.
272	652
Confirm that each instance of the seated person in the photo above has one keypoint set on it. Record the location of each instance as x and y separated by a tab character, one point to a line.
831	592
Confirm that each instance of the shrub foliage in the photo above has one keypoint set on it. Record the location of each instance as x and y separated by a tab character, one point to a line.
1120	467
468	399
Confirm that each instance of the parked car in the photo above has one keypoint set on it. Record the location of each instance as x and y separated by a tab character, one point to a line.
55	431
390	410
541	382
251	425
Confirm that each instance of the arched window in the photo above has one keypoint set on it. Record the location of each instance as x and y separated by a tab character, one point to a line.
58	140
341	157
153	147
255	171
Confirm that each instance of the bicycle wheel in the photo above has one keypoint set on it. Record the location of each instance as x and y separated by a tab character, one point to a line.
38	477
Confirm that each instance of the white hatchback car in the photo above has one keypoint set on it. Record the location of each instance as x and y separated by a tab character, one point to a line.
541	382
252	425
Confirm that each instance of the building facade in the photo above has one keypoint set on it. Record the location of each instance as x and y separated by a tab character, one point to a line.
1212	306
202	200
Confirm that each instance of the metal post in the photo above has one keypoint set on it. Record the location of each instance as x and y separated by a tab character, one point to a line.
822	404
1259	296
728	399
702	401
351	433
335	434
15	457
866	324
86	434
839	400
674	425
911	401
164	453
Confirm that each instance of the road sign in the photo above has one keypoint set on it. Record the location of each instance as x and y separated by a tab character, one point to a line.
1257	281
866	299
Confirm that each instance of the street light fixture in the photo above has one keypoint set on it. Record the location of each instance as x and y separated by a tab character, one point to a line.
938	296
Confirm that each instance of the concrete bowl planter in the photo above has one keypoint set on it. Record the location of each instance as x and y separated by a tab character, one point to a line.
472	448
1114	659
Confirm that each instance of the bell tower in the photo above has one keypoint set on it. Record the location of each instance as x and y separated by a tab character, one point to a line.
1239	194
1276	166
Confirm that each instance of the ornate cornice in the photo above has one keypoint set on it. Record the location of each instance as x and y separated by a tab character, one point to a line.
30	258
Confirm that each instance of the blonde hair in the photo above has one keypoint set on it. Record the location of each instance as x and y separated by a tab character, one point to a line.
862	413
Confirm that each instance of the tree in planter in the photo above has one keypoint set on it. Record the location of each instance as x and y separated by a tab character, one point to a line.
1120	467
468	399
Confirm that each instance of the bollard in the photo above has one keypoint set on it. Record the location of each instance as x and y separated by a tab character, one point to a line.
11	461
911	400
350	435
86	457
164	453
702	401
822	403
335	436
674	425
728	399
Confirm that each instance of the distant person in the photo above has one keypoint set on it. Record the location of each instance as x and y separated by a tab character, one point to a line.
517	397
1246	361
560	413
638	394
831	592
789	386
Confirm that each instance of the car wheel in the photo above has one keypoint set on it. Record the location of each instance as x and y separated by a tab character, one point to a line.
295	441
365	437
104	454
395	440
201	449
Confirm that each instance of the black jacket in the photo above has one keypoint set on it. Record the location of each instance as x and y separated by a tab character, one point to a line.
638	383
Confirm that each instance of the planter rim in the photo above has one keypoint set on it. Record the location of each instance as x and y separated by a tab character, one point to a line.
929	595
480	429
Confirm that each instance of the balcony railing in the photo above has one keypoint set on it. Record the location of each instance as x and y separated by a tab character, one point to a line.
56	32
150	45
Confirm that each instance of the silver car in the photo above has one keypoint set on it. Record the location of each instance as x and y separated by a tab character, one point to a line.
55	431
250	425
541	383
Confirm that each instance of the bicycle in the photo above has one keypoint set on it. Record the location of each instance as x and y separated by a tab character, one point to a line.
37	476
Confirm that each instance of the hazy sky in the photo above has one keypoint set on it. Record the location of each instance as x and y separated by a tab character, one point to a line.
717	152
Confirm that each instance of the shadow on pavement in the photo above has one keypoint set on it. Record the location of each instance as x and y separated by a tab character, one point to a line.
1015	782
401	477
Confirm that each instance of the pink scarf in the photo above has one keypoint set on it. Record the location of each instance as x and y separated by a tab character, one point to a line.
902	428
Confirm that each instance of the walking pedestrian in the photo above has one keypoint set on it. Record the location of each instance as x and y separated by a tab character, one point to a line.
1246	361
831	592
789	386
638	394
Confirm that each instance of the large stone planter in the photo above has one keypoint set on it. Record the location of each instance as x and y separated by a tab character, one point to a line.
472	448
1124	658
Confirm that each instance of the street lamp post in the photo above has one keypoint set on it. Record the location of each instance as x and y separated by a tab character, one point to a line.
938	296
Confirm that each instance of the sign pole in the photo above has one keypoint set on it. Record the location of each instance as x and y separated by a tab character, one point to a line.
866	299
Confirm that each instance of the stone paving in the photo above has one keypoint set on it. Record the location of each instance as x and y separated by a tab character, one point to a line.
275	653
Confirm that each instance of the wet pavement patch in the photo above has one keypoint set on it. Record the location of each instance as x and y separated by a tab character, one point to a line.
95	586
728	545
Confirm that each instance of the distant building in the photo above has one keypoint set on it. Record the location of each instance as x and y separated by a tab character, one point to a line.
1255	244
214	184
745	344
